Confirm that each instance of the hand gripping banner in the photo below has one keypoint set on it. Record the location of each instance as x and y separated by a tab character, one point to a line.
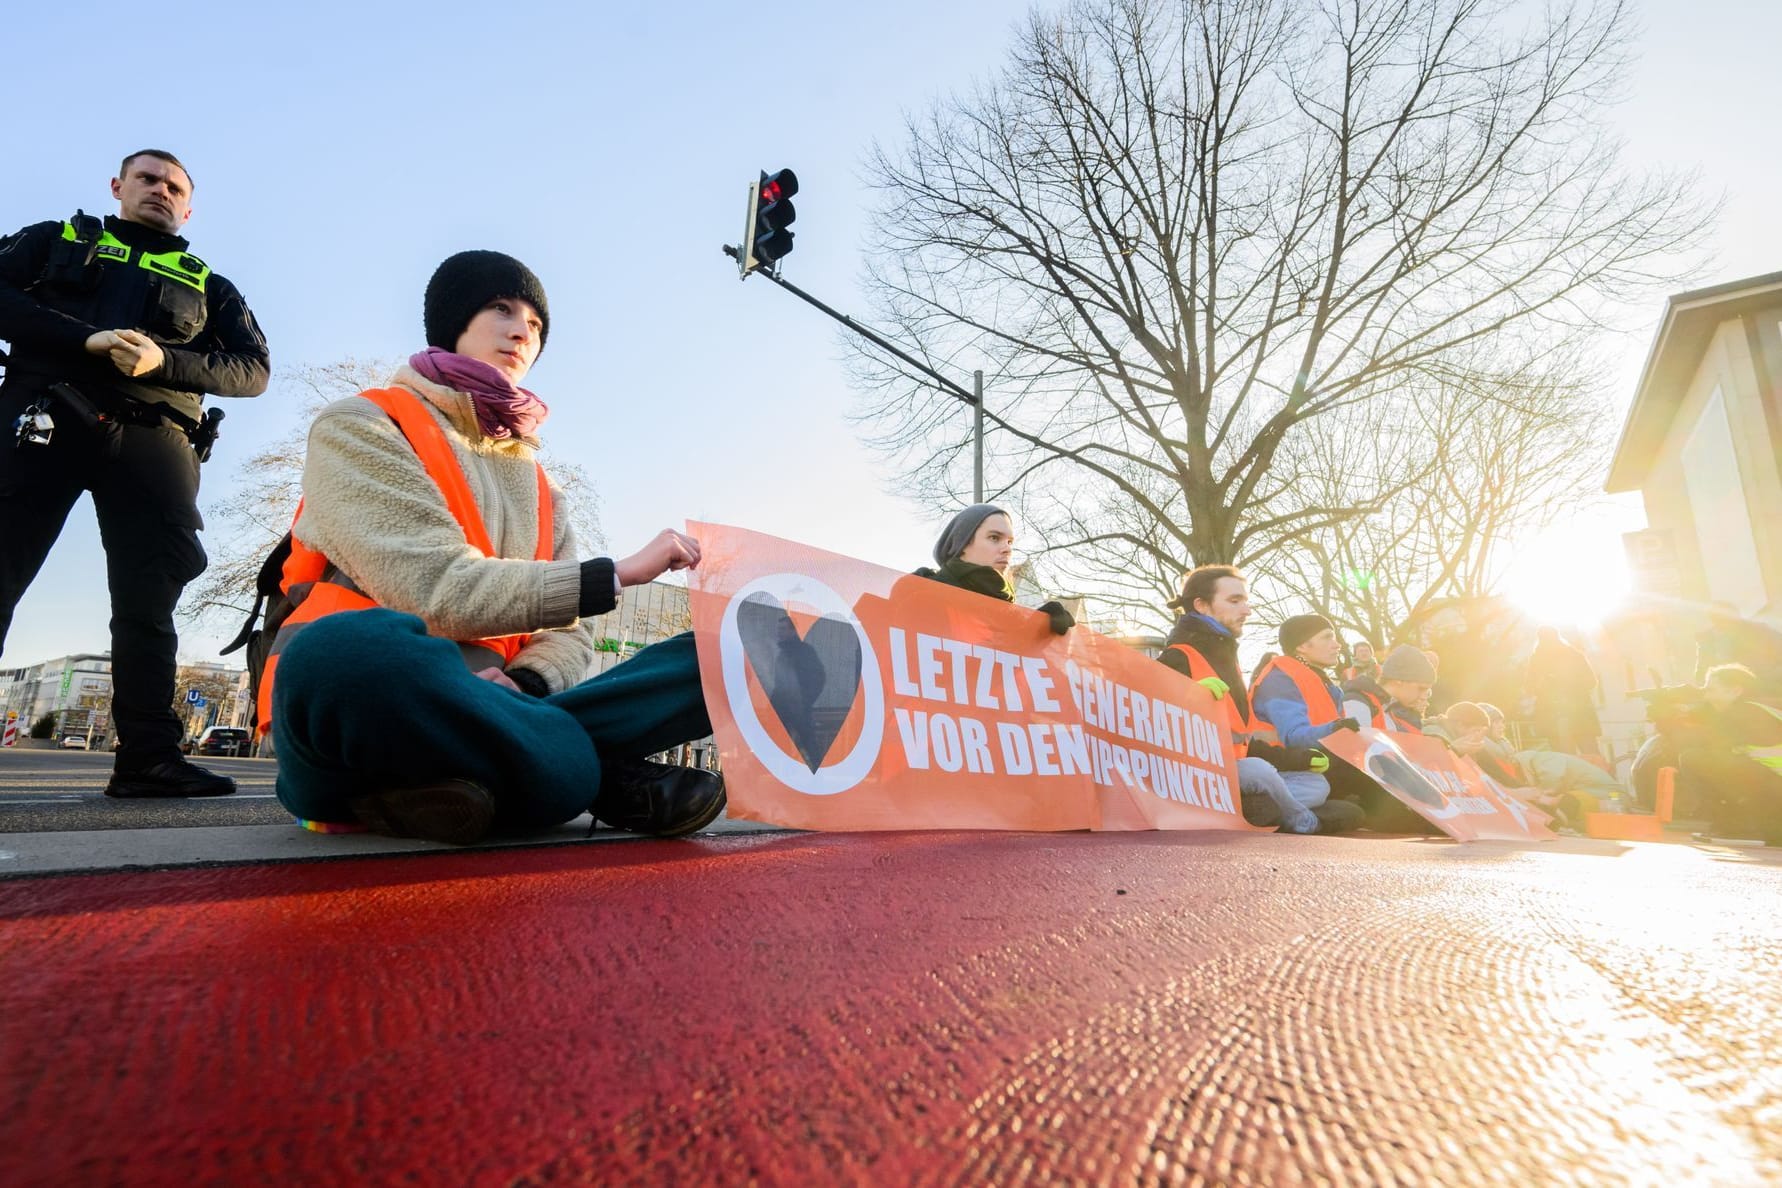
1447	790
845	696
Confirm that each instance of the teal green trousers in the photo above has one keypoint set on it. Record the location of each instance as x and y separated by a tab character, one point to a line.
367	700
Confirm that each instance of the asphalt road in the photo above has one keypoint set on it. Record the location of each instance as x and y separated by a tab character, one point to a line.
55	817
54	791
890	1009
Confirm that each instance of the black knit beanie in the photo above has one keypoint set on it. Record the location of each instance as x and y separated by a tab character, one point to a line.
468	281
1300	628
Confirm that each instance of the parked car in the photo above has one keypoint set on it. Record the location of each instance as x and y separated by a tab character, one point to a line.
222	740
74	742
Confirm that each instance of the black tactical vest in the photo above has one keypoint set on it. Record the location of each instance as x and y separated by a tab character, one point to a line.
96	277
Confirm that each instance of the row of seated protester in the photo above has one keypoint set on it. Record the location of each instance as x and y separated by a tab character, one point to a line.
426	512
1730	768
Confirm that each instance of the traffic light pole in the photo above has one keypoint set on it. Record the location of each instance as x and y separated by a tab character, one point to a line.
974	398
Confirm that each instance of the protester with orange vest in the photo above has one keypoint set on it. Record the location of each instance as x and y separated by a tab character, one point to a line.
1299	700
1277	785
1362	662
1294	693
1408	679
430	681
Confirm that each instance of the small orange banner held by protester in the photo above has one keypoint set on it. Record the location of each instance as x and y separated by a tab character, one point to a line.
845	696
1447	790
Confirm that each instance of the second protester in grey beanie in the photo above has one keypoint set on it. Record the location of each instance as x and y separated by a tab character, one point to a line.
975	552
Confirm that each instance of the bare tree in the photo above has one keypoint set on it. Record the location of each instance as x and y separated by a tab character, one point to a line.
1494	462
249	520
1189	238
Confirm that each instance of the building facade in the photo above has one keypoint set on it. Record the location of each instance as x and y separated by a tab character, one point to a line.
1702	445
76	690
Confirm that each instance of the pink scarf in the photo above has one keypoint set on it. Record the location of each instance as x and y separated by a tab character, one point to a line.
502	409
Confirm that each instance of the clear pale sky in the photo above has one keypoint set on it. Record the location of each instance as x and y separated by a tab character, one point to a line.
340	151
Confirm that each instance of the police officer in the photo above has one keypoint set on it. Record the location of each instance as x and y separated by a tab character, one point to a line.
116	333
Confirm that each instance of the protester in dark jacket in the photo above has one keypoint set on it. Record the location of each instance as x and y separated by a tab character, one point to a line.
1407	678
1363	698
1737	772
1563	685
1221	651
976	551
1283	785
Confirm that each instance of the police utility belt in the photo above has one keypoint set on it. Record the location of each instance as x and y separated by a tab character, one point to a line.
37	423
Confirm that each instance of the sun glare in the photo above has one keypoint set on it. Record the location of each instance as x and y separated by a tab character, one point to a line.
1574	574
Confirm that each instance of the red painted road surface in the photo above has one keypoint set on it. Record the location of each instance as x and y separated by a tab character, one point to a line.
903	1009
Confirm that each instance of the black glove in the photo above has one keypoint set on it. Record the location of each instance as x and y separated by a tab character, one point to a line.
1061	618
1347	724
530	683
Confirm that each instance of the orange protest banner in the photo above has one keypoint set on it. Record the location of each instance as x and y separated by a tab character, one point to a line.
1447	790
845	696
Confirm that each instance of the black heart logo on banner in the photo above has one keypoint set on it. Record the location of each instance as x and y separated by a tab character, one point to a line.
811	681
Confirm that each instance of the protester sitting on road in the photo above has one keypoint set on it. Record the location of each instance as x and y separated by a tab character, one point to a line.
1464	727
1363	698
451	699
1560	782
1294	693
1737	773
1299	704
1497	757
976	552
1467	729
1361	662
1277	785
1406	678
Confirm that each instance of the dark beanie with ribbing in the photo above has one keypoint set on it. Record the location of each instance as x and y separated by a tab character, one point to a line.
463	284
1299	628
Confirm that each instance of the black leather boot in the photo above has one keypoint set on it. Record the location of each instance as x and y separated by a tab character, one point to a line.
455	811
660	799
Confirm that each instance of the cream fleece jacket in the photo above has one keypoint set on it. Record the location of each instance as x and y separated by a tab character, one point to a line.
370	507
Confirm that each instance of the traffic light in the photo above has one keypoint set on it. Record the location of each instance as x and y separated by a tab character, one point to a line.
767	236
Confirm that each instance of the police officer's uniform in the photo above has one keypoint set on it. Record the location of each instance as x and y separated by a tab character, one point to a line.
128	441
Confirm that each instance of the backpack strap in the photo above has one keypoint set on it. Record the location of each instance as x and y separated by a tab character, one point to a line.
267	584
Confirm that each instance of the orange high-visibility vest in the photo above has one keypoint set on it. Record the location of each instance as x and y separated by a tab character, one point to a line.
1386	721
1199	668
316	587
1312	690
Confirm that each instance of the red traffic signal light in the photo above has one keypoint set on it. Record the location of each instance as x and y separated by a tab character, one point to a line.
768	237
783	184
